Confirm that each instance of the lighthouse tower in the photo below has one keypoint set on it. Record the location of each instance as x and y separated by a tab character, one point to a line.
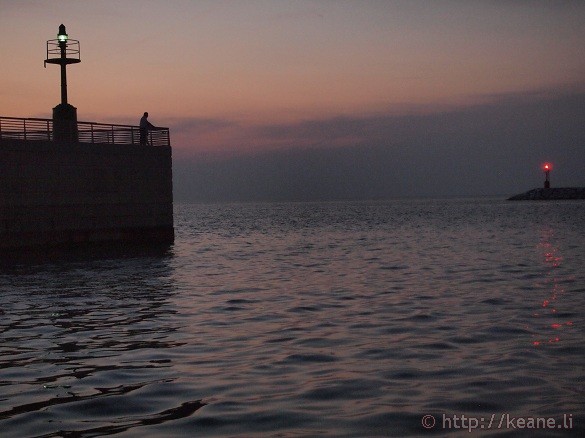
63	51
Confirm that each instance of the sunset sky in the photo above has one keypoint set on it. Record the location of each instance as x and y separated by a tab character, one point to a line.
248	85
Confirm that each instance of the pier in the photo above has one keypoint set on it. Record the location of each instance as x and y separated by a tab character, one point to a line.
65	182
102	186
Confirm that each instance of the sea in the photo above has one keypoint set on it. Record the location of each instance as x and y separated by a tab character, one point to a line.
394	318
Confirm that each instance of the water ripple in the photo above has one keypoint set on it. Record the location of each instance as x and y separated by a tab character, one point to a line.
324	319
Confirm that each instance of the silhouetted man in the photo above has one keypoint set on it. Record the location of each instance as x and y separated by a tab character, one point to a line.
145	126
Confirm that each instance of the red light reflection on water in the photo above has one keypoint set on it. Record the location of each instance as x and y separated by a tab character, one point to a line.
552	260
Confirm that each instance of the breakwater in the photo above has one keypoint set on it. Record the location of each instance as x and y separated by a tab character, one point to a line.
59	193
557	193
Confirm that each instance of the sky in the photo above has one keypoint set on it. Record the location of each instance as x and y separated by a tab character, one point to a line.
321	99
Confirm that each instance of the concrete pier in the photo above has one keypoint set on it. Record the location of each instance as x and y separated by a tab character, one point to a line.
64	193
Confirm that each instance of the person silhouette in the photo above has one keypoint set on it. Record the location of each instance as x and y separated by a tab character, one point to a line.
145	126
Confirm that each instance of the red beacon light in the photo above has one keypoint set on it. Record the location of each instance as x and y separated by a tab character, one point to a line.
547	167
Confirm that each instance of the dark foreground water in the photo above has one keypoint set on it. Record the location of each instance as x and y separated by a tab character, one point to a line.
326	319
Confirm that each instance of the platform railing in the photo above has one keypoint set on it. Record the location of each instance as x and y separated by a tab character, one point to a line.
32	129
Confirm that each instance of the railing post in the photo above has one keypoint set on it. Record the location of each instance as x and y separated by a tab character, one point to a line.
24	126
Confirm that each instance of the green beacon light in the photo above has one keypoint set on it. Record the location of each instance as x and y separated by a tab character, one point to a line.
62	37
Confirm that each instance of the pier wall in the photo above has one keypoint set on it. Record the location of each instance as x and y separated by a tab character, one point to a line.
62	193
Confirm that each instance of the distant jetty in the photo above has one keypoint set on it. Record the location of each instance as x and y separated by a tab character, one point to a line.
554	194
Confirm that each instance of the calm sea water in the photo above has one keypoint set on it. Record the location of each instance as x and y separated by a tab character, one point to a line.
307	319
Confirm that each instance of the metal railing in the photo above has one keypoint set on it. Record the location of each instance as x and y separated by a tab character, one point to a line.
31	129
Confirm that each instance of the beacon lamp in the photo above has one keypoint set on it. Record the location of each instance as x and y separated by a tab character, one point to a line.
62	37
